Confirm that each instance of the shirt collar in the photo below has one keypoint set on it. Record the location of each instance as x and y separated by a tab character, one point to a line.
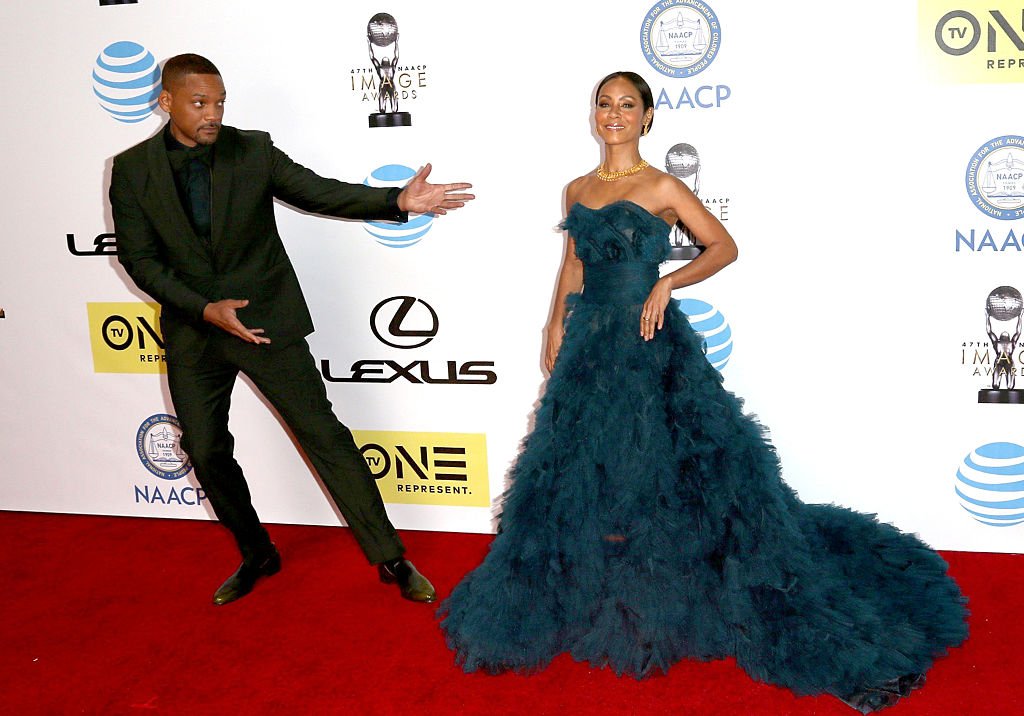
178	151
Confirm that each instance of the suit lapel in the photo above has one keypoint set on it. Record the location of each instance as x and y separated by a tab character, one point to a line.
162	196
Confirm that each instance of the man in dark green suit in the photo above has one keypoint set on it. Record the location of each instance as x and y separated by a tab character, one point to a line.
194	217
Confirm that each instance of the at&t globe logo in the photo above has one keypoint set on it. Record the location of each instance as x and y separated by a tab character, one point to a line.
396	236
708	321
990	484
126	79
158	443
680	38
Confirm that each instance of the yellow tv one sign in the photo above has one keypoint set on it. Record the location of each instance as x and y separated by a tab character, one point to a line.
428	468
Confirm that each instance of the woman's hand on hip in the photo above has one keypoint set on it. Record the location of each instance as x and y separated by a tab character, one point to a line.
652	317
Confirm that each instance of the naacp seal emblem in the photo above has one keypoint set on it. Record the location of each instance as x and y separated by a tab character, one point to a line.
680	38
995	178
158	443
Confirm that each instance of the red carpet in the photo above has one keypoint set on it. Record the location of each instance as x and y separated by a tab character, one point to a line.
107	615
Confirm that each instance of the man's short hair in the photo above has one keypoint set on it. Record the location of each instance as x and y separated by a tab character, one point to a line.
179	67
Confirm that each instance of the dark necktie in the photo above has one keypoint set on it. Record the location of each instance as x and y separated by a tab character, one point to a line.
191	167
197	189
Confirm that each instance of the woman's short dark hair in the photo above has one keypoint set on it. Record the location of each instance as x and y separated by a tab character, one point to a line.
646	96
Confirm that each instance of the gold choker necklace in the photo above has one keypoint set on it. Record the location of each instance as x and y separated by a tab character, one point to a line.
615	176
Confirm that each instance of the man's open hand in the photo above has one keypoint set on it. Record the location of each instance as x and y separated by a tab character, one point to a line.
420	197
222	314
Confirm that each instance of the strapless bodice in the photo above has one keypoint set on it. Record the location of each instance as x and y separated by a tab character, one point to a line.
620	245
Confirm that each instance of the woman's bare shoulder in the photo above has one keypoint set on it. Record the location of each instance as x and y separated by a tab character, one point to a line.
576	187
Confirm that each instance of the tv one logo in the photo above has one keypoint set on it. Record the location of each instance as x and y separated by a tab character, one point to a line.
972	41
125	338
958	32
428	468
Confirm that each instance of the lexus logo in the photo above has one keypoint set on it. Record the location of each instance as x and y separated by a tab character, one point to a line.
409	322
404	322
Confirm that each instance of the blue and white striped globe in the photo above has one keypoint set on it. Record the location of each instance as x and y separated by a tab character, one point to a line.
710	323
396	236
126	79
990	484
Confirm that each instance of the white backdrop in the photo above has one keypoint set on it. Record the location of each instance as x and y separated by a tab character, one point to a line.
835	150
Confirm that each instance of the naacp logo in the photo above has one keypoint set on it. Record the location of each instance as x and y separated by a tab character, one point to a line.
995	178
393	326
158	443
126	79
990	484
709	322
389	233
680	38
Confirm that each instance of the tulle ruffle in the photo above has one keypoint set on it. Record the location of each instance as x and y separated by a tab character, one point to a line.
646	522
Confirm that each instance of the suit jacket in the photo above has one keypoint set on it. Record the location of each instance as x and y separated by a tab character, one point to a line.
245	257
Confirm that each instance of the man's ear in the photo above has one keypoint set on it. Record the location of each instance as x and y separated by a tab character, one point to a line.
164	100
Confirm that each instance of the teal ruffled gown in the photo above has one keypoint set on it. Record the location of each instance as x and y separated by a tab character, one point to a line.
646	521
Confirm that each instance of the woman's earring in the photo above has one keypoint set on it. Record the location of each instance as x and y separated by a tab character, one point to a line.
647	127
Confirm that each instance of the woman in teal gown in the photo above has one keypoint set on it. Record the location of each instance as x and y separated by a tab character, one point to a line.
646	520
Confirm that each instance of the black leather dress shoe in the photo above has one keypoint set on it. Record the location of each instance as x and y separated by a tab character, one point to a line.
415	587
244	579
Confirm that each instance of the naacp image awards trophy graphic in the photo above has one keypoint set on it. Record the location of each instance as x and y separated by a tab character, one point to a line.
1004	305
683	162
382	39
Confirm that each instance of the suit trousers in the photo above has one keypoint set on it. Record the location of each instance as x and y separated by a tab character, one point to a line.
288	378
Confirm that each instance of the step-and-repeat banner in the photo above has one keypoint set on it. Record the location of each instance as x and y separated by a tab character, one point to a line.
870	166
